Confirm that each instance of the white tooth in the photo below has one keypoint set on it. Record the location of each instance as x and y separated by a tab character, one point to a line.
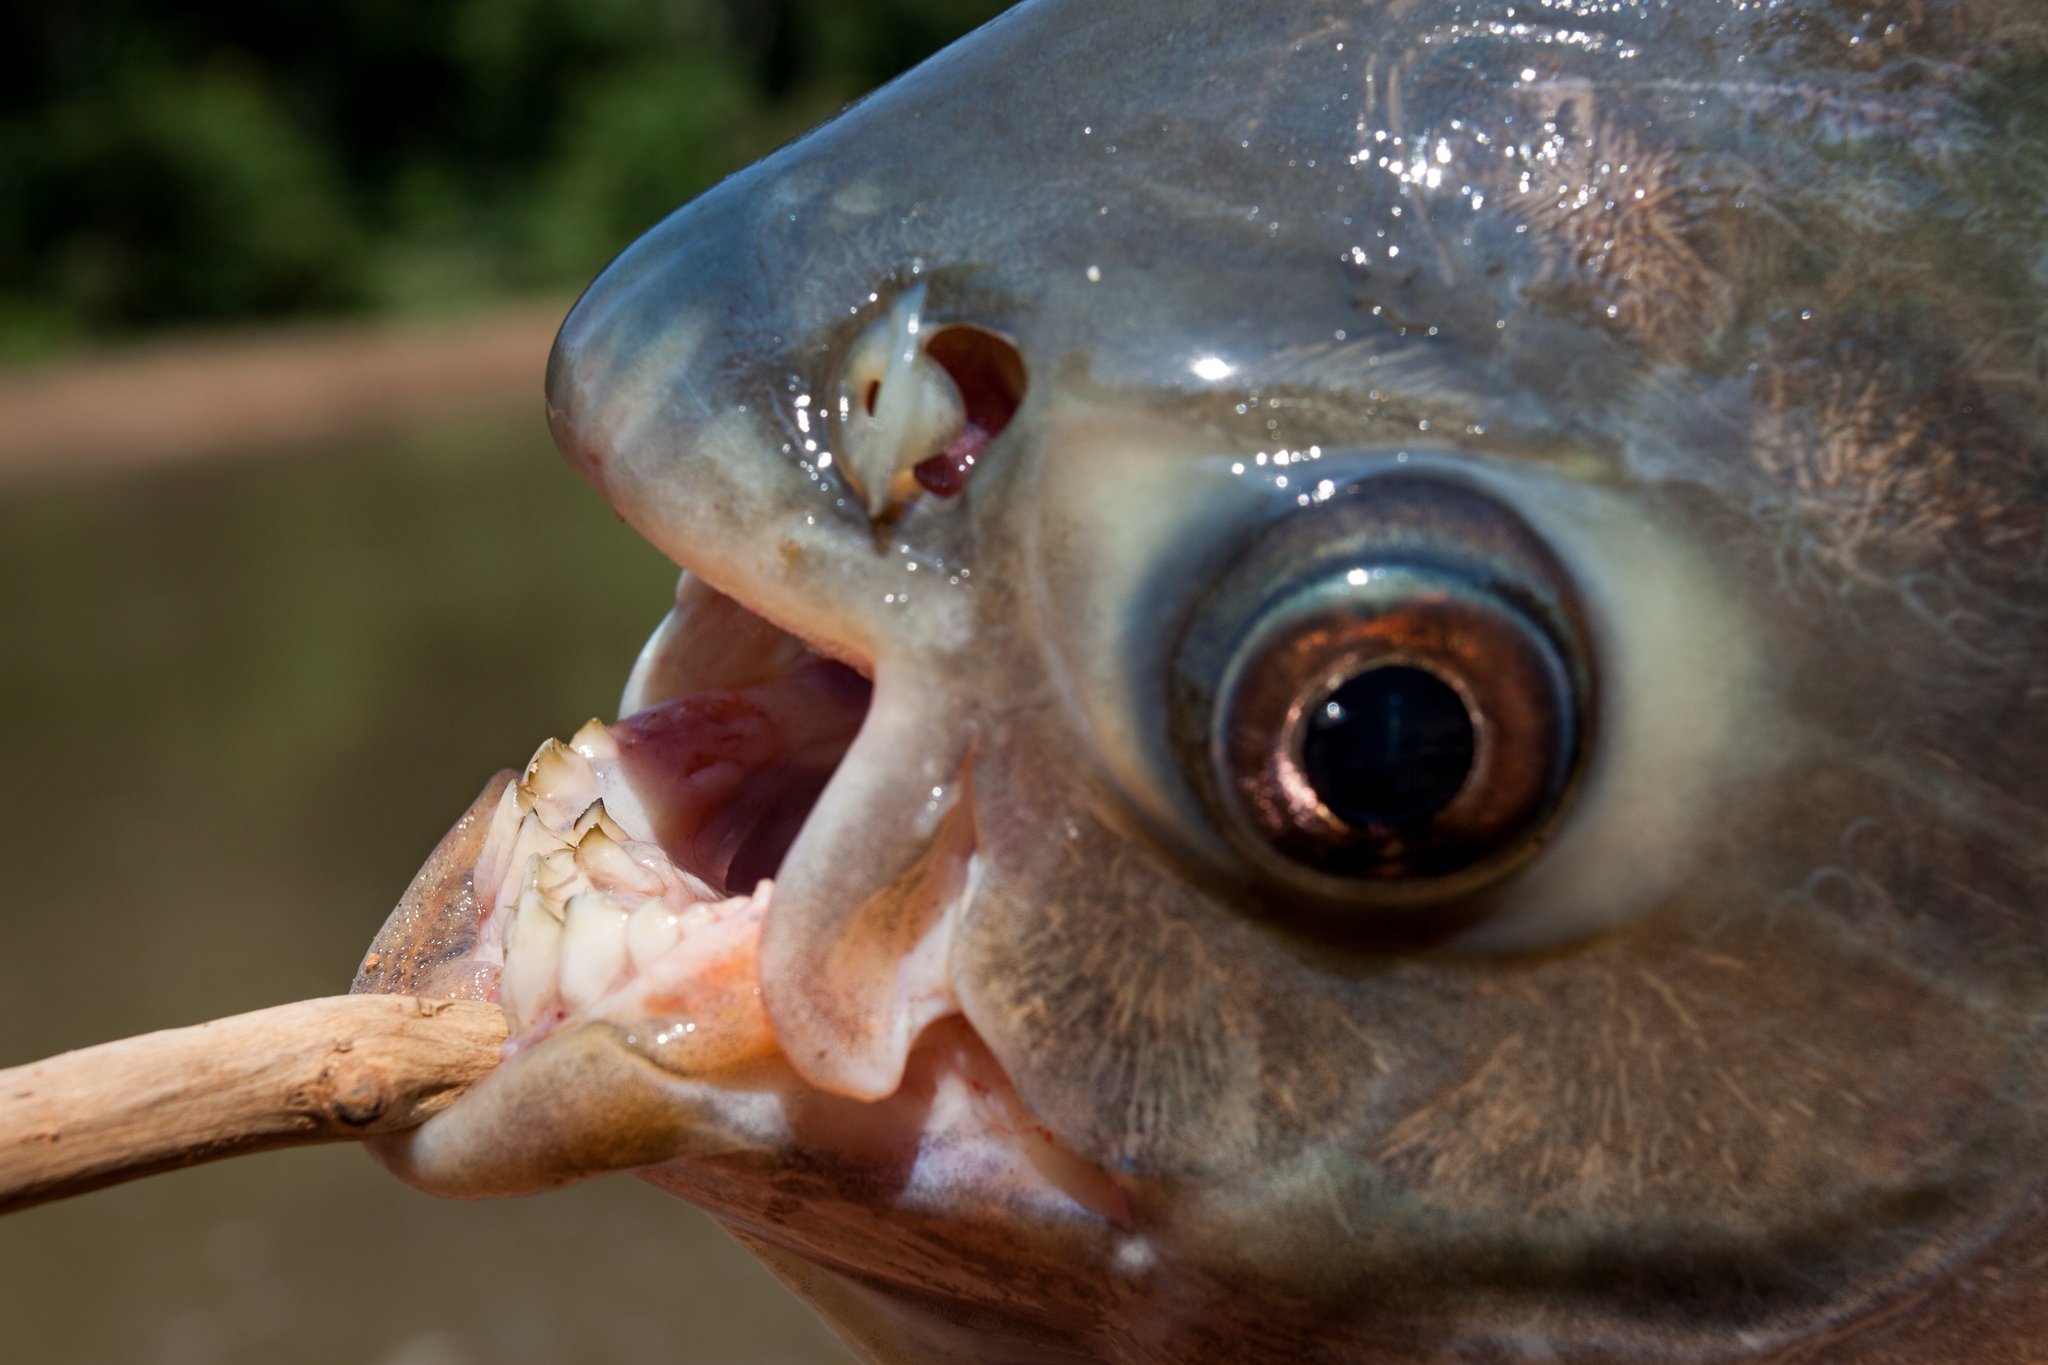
499	856
594	741
531	950
498	884
654	928
600	819
561	784
557	875
593	948
624	817
612	869
679	887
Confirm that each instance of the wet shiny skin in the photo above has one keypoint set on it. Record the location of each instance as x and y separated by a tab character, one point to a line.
1740	308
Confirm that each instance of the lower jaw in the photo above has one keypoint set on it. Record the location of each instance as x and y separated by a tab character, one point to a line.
577	921
937	1193
611	898
542	900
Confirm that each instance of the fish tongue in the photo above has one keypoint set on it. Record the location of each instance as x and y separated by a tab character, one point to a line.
726	778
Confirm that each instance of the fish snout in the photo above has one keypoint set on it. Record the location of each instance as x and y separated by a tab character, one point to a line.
793	407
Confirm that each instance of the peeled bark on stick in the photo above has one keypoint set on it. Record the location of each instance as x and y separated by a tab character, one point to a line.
333	1070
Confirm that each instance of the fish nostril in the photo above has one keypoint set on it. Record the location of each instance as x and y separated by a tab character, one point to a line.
918	404
989	373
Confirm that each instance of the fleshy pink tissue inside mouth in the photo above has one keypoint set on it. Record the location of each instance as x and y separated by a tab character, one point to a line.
626	874
623	879
726	778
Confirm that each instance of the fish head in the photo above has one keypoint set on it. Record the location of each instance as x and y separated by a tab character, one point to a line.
1351	681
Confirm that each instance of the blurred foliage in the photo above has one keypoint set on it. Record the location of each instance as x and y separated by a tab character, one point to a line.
207	161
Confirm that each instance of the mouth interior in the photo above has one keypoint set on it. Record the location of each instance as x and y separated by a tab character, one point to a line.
620	880
727	776
626	874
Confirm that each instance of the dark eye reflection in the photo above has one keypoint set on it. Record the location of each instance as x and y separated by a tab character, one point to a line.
1391	746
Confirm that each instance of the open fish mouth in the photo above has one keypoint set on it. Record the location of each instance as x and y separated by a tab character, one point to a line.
632	865
613	896
626	874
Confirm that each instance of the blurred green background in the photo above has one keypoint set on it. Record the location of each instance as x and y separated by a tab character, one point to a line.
246	691
165	164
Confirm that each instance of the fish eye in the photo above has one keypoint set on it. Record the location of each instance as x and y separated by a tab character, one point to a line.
1387	699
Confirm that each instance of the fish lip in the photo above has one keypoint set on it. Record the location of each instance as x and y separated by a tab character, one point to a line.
427	946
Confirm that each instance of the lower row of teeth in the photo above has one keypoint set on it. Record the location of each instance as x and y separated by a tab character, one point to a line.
572	953
592	914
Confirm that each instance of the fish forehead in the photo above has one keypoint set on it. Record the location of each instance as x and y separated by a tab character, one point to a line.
1767	278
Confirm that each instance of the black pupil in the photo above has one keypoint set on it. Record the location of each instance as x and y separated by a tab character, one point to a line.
1391	746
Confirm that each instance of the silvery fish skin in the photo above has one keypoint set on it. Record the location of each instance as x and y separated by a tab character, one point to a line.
1711	338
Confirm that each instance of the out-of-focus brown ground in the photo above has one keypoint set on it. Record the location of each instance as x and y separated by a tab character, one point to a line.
182	398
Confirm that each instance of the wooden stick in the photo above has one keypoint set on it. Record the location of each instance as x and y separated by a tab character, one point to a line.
333	1070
